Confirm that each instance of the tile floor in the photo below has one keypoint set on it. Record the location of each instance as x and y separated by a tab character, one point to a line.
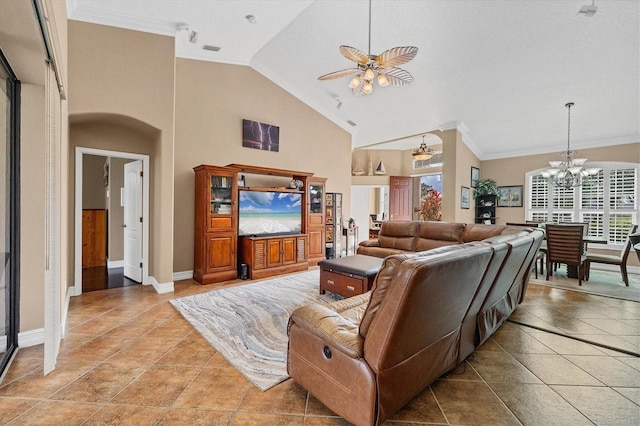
130	358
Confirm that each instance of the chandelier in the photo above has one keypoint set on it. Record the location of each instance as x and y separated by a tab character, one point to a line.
423	152
570	172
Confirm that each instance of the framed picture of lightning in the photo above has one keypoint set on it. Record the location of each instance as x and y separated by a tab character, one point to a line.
260	136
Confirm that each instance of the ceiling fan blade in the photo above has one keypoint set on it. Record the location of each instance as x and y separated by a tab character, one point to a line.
397	76
338	74
354	54
396	56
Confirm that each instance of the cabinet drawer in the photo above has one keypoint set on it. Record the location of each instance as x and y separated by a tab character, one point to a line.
220	223
343	284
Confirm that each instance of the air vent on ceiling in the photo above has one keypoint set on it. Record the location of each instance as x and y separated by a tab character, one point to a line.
211	48
352	123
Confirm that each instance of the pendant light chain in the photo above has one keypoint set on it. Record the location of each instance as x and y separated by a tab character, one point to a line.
569	105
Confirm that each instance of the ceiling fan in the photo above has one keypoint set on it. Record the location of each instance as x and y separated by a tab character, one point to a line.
383	67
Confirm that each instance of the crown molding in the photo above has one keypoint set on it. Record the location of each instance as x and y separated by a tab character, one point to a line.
624	140
201	55
120	20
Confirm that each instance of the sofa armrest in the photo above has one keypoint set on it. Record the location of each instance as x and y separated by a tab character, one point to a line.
369	243
330	326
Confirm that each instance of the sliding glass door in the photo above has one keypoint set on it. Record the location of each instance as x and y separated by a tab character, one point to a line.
9	212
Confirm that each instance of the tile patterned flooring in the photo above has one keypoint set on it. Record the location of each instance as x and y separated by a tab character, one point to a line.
129	358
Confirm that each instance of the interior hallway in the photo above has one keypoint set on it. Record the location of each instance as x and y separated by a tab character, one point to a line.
129	357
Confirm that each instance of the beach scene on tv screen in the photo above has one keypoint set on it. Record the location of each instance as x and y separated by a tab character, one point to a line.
269	213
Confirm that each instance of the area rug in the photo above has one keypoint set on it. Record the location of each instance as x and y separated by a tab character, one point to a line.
247	324
601	283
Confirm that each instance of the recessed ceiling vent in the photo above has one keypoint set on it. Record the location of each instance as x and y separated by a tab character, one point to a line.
351	123
211	48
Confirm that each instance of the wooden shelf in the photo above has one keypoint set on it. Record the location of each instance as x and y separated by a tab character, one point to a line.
270	188
258	170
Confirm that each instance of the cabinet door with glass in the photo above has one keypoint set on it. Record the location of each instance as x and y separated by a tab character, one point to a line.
316	219
222	200
216	224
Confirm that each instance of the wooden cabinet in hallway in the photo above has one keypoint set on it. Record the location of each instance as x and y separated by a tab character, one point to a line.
94	237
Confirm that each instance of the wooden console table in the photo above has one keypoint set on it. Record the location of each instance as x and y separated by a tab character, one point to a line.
274	255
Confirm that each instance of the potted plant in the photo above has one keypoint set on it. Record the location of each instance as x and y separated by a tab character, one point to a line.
485	187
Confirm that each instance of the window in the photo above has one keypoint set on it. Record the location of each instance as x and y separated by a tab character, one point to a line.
609	203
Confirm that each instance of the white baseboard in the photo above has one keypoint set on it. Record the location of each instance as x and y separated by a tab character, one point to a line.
161	287
115	264
183	275
31	338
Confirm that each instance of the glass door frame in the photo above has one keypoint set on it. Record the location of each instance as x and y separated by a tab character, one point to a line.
13	299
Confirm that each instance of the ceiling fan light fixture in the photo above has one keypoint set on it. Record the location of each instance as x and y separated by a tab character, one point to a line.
383	66
369	74
383	81
355	82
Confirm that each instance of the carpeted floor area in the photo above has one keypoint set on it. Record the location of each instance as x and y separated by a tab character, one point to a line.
601	282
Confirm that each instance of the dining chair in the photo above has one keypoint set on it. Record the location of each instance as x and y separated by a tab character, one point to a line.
564	245
620	259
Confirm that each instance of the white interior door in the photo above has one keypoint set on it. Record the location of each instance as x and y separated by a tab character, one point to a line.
133	220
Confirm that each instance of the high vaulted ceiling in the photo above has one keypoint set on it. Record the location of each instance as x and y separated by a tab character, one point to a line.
501	71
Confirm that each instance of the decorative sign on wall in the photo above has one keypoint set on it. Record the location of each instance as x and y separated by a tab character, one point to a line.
260	136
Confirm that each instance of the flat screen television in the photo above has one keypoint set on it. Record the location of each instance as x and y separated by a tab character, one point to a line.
269	213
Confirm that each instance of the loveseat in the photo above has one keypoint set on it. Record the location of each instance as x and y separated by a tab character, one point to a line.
365	357
397	237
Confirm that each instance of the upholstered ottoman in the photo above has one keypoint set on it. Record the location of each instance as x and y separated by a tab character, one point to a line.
349	276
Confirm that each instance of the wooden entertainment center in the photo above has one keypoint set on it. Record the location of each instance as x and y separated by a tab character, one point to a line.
218	250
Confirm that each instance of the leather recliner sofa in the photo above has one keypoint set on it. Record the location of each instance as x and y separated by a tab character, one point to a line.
367	356
397	237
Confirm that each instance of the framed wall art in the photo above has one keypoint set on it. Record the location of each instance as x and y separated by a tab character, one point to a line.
464	197
510	196
260	136
475	176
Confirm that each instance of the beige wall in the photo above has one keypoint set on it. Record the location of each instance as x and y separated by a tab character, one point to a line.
93	189
121	73
211	101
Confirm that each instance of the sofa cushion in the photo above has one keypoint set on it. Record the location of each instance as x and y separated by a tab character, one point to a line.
438	234
399	235
480	231
380	251
385	277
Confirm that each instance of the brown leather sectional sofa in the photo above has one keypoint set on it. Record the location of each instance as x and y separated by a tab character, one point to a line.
367	356
396	237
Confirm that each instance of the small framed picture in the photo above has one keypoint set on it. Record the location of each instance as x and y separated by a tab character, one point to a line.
510	196
329	212
329	229
475	176
464	197
329	221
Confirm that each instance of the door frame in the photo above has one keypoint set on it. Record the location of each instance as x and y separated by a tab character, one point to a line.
80	151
